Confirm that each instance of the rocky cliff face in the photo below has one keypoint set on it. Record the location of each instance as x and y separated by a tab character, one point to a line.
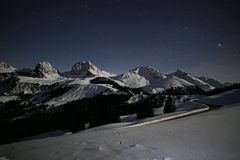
84	69
45	70
6	68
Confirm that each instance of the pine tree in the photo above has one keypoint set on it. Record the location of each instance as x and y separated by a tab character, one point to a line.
145	109
169	106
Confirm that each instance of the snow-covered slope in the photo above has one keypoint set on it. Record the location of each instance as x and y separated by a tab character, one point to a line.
157	85
81	91
132	80
171	81
45	70
85	69
211	135
212	82
193	80
226	98
41	81
4	99
6	68
16	85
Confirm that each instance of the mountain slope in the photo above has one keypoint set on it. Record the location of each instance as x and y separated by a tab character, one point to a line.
6	68
35	81
132	80
193	80
80	92
212	82
157	85
45	70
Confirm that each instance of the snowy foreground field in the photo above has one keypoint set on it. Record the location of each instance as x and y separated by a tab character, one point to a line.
212	135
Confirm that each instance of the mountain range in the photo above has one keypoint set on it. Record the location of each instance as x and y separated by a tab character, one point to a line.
47	85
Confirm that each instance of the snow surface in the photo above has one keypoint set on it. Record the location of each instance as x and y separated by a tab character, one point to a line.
158	84
4	99
41	81
189	105
226	98
80	81
47	134
211	135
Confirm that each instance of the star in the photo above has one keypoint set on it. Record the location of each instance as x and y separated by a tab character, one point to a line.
219	45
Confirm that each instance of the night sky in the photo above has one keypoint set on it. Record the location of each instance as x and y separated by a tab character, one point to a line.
202	37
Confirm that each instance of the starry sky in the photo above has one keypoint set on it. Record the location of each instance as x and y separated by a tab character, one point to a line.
200	36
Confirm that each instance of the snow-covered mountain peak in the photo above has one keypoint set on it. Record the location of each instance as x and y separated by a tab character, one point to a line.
132	80
179	72
85	69
45	70
6	68
148	72
140	76
83	66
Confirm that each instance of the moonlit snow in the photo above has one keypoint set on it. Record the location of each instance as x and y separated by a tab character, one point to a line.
211	135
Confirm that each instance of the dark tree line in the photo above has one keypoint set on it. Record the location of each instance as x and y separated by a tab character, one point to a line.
19	120
184	91
102	109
